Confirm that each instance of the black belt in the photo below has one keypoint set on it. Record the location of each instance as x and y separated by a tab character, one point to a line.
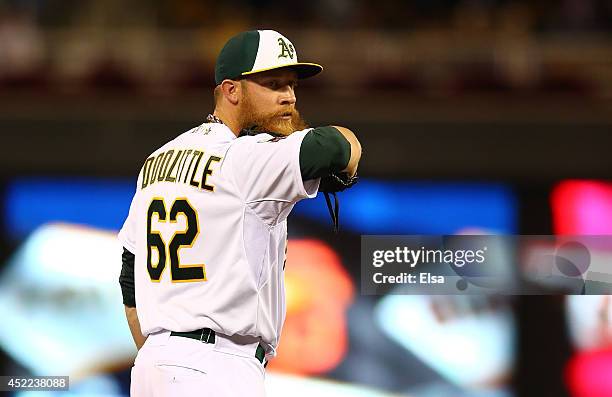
207	335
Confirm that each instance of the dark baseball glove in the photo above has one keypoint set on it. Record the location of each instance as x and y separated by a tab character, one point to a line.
332	184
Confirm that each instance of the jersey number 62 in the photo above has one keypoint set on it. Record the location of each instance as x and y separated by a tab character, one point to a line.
185	238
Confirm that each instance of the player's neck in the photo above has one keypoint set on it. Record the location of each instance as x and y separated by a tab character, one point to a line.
228	120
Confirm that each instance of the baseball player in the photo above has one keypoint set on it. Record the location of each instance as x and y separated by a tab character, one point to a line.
205	238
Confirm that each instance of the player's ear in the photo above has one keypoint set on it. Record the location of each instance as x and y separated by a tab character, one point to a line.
231	90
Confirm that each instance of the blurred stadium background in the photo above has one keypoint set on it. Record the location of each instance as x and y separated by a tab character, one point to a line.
491	116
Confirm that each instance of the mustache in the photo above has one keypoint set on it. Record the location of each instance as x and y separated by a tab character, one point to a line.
285	112
264	120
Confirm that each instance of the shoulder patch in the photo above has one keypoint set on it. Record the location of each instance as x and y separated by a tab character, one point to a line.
205	130
271	139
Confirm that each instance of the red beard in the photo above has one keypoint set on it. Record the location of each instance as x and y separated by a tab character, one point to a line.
271	122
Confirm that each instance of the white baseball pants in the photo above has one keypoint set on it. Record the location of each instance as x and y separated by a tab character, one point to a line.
177	366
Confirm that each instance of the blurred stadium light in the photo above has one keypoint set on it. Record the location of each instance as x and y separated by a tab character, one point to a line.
34	201
319	293
63	304
582	207
372	207
400	207
469	340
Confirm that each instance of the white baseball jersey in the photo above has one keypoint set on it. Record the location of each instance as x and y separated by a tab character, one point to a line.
208	228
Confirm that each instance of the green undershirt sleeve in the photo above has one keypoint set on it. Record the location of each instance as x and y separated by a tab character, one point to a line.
323	150
126	278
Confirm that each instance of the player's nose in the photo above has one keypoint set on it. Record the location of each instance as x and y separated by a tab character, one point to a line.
288	96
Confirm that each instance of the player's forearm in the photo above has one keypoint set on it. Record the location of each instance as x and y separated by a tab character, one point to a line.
134	324
351	167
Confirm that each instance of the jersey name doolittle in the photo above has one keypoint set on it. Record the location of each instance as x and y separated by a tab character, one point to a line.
208	229
170	166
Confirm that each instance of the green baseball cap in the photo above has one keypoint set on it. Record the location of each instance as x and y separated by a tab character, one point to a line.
256	51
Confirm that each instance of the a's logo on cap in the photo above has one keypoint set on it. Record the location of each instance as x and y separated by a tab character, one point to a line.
286	49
